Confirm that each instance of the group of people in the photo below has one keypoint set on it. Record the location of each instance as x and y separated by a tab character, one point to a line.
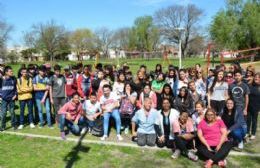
180	109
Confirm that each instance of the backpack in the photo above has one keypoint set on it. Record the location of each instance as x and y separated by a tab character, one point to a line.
126	106
97	130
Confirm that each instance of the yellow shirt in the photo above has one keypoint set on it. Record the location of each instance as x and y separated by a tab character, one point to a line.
24	88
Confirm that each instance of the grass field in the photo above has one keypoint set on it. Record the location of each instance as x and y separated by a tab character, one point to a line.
26	152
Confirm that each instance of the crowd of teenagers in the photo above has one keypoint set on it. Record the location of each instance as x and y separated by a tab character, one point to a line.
194	113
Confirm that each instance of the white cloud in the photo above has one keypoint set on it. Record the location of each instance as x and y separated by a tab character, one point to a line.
157	2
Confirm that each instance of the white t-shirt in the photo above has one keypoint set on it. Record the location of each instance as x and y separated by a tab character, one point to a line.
108	102
118	88
90	108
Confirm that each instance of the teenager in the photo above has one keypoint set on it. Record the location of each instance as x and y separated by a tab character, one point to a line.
235	122
84	83
184	101
24	90
9	94
253	107
109	105
183	135
218	93
158	83
147	93
199	113
71	83
70	116
167	93
119	85
166	118
57	90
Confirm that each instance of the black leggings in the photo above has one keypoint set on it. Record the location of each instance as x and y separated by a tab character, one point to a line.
169	143
218	106
221	154
252	122
183	145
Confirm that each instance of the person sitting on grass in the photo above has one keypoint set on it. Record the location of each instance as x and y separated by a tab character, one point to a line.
236	124
92	111
71	116
146	119
184	134
109	105
212	134
167	116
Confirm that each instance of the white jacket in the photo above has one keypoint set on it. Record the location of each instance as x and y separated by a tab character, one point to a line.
174	115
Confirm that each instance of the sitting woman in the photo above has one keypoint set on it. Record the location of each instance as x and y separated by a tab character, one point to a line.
158	83
235	122
184	134
127	106
147	93
212	134
184	101
166	119
167	93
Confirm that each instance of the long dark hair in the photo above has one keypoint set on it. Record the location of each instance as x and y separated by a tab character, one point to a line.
167	85
225	111
215	81
160	70
128	83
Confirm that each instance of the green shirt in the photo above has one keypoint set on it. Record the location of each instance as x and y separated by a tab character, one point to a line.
157	85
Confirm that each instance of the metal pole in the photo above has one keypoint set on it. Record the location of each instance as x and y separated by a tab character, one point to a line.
180	66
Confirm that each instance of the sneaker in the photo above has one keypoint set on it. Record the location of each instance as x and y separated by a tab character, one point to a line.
63	136
83	131
51	127
222	163
192	156
252	137
32	125
119	137
208	164
126	130
176	154
241	145
103	138
247	136
20	127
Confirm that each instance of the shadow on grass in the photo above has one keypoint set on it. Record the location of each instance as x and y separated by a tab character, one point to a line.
73	155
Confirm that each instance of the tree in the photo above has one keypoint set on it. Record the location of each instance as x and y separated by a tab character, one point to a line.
146	32
170	19
121	38
82	40
237	26
50	39
104	39
5	30
12	56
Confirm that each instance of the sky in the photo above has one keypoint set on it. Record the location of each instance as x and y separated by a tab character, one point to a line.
93	14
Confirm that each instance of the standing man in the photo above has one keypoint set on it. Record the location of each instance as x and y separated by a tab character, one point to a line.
9	94
57	84
25	89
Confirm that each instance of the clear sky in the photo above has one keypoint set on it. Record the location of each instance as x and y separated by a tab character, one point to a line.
22	14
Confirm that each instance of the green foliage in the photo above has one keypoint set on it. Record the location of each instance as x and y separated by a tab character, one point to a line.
237	26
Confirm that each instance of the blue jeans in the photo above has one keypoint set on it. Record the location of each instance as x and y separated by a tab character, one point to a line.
238	134
115	114
90	123
74	128
29	103
5	106
47	109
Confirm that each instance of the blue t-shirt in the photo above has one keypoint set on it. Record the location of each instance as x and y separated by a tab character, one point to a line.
146	123
41	83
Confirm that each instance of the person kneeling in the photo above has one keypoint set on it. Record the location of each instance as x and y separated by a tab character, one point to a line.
146	120
184	134
70	115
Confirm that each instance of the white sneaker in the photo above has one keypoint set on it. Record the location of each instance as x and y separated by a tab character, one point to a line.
241	145
32	125
176	154
20	127
103	138
83	131
119	137
252	137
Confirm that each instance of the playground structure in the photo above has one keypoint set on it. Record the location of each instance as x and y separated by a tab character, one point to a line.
229	56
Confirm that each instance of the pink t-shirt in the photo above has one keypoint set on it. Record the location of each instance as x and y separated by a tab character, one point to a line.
211	133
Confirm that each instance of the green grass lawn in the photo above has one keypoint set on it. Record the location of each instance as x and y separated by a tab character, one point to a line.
26	152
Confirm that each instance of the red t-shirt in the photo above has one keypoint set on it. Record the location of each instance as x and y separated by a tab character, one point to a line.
211	133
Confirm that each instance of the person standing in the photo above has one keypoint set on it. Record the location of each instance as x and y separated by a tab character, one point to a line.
57	84
9	94
25	89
